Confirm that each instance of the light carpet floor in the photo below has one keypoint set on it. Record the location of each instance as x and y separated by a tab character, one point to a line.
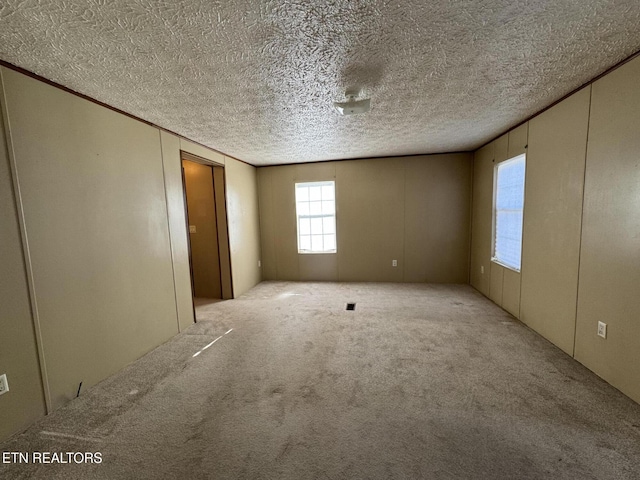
419	382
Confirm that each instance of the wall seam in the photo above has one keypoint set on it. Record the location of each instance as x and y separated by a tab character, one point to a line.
223	172
259	211
584	185
274	243
493	225
35	315
404	222
470	238
166	203
524	211
215	215
335	193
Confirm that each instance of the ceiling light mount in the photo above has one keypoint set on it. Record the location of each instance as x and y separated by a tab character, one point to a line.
352	106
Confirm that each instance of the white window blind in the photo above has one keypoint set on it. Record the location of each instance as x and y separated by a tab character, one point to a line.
316	215
509	206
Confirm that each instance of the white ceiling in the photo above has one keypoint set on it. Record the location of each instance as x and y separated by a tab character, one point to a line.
256	79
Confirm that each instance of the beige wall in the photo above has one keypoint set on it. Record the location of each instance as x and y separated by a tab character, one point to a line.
220	193
481	221
205	258
553	199
580	261
93	195
106	258
244	225
610	253
176	213
24	403
500	284
415	210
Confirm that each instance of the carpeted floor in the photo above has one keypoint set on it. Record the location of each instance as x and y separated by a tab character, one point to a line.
420	381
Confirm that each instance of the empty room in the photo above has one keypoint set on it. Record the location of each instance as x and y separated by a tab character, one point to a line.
319	240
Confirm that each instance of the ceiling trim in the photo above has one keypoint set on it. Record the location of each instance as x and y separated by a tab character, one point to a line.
457	152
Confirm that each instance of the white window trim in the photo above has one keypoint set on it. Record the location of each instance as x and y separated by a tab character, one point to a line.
334	215
494	215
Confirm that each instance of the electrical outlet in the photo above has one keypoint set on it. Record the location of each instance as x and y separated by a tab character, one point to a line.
192	229
394	263
602	329
481	269
259	263
4	385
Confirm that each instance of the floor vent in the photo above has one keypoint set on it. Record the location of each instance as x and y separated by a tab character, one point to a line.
351	306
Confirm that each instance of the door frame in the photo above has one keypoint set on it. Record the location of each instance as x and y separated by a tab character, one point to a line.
222	223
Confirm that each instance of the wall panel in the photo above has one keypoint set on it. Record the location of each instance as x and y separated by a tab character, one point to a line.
171	164
244	225
95	211
284	221
496	283
553	203
24	402
437	215
370	220
268	243
481	226
610	253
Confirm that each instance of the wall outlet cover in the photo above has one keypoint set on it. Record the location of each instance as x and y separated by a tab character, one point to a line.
602	329
4	385
394	263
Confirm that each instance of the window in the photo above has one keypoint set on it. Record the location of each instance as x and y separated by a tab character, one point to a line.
316	212
509	205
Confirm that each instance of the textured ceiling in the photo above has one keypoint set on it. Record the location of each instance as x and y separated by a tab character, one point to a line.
256	79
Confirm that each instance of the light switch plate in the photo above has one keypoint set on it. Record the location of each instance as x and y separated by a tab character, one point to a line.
4	385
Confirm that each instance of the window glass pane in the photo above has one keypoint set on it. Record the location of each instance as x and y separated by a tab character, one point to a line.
316	226
328	208
329	242
329	224
305	241
315	208
508	242
328	192
305	226
508	212
315	193
316	243
316	217
303	208
302	194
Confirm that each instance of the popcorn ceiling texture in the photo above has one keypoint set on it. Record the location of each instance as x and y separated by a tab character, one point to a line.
256	79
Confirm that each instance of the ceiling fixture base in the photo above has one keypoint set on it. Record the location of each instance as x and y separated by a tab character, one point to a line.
352	106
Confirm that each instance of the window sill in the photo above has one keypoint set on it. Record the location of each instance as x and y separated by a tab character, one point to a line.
493	260
333	252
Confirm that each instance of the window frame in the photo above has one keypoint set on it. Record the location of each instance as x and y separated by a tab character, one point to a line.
299	216
494	258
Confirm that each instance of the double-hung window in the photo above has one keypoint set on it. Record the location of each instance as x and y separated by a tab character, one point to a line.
508	212
316	215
